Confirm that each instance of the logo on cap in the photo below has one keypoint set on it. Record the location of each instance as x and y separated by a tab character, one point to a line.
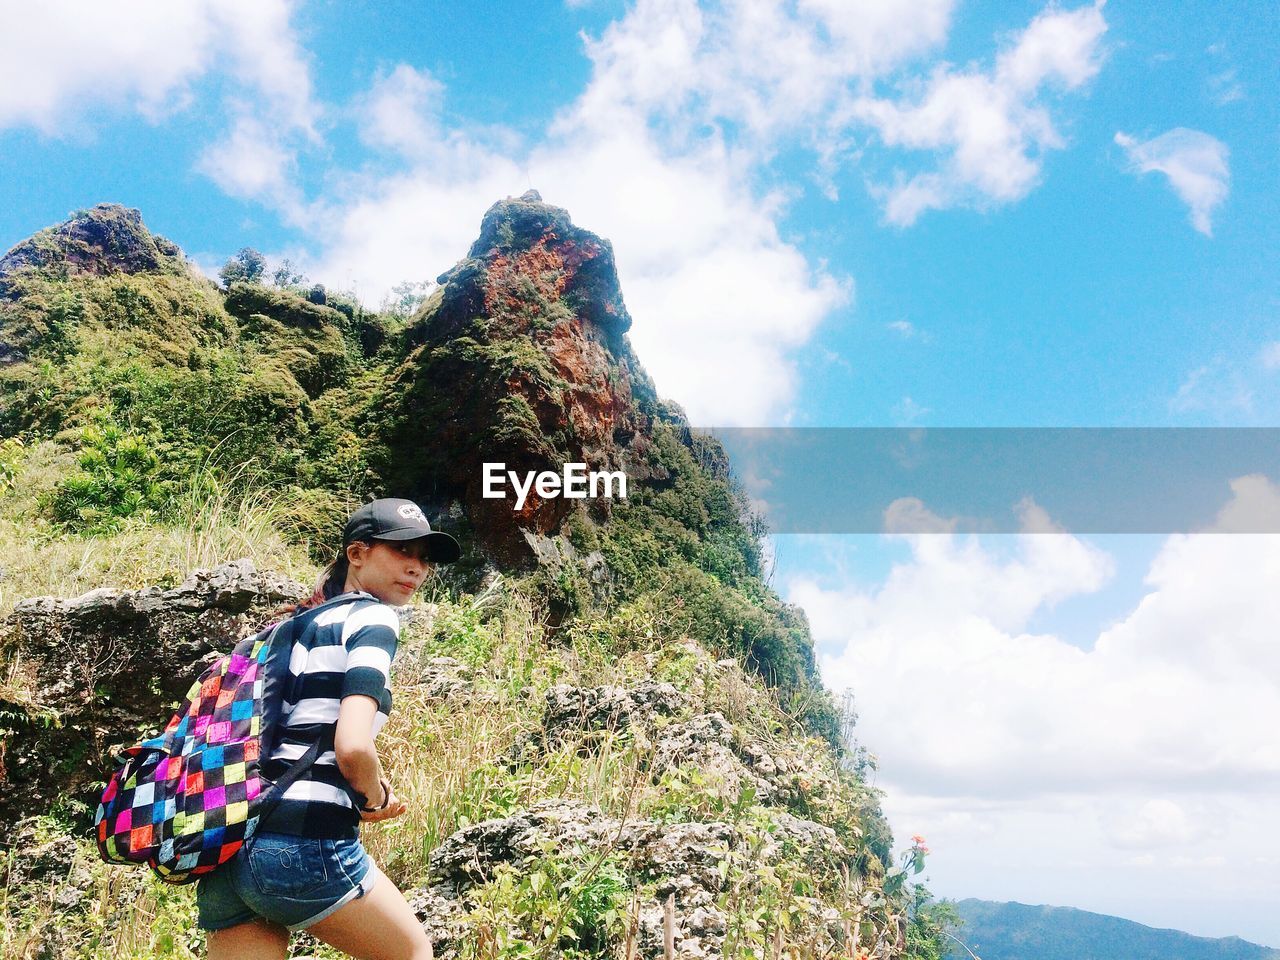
411	511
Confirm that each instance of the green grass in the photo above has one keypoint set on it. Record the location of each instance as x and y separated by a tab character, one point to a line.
213	520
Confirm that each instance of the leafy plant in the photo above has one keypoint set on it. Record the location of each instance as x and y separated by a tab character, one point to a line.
11	450
911	865
121	475
246	266
563	904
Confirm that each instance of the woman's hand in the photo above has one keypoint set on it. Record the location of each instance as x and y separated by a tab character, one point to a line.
394	808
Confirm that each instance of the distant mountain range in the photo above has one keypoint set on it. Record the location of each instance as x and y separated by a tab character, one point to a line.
1015	931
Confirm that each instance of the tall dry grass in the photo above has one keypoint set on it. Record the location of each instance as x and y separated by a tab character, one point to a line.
216	517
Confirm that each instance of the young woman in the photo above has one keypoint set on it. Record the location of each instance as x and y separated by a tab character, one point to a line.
305	868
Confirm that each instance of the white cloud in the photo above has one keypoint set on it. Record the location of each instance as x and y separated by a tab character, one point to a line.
668	153
1178	694
1254	507
250	162
702	265
1108	853
1194	162
1181	693
663	153
1025	760
401	111
258	40
752	62
410	227
703	269
257	157
59	60
1155	823
872	37
990	127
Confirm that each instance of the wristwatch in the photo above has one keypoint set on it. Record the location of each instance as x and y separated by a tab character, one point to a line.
386	798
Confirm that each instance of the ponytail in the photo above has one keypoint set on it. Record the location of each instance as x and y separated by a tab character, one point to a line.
333	580
328	585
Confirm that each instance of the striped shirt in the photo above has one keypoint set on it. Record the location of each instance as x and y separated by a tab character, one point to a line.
342	647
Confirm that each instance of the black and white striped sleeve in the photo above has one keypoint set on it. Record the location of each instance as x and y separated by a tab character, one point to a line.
370	635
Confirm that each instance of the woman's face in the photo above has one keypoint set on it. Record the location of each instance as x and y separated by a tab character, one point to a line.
389	569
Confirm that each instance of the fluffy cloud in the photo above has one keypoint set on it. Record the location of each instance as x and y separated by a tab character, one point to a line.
401	111
873	37
1194	162
990	127
250	162
55	59
702	266
412	226
1040	759
754	63
58	60
1169	696
666	151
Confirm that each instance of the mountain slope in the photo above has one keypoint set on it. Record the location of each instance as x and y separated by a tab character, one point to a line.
1016	931
521	357
602	707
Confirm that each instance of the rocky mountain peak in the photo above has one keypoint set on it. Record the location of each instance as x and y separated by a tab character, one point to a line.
530	267
522	358
106	238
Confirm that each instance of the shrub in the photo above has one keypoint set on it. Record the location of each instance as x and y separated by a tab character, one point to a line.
120	475
10	455
563	902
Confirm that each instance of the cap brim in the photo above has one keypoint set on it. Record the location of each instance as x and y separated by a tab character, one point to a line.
441	547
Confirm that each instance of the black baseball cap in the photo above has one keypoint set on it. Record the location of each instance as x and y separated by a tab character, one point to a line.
394	519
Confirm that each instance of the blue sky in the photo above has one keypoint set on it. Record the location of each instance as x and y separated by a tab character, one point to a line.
825	213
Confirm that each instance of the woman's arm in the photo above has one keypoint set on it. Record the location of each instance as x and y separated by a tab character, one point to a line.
358	758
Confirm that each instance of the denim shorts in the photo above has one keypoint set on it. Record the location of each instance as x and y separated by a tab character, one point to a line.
290	880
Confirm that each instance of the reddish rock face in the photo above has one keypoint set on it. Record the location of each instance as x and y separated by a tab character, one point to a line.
522	359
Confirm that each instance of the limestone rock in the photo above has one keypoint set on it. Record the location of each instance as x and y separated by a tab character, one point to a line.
440	678
680	859
609	707
104	667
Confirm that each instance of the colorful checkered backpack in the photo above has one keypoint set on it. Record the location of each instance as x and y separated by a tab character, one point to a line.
184	802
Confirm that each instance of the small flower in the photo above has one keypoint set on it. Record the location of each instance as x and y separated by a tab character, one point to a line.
918	839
